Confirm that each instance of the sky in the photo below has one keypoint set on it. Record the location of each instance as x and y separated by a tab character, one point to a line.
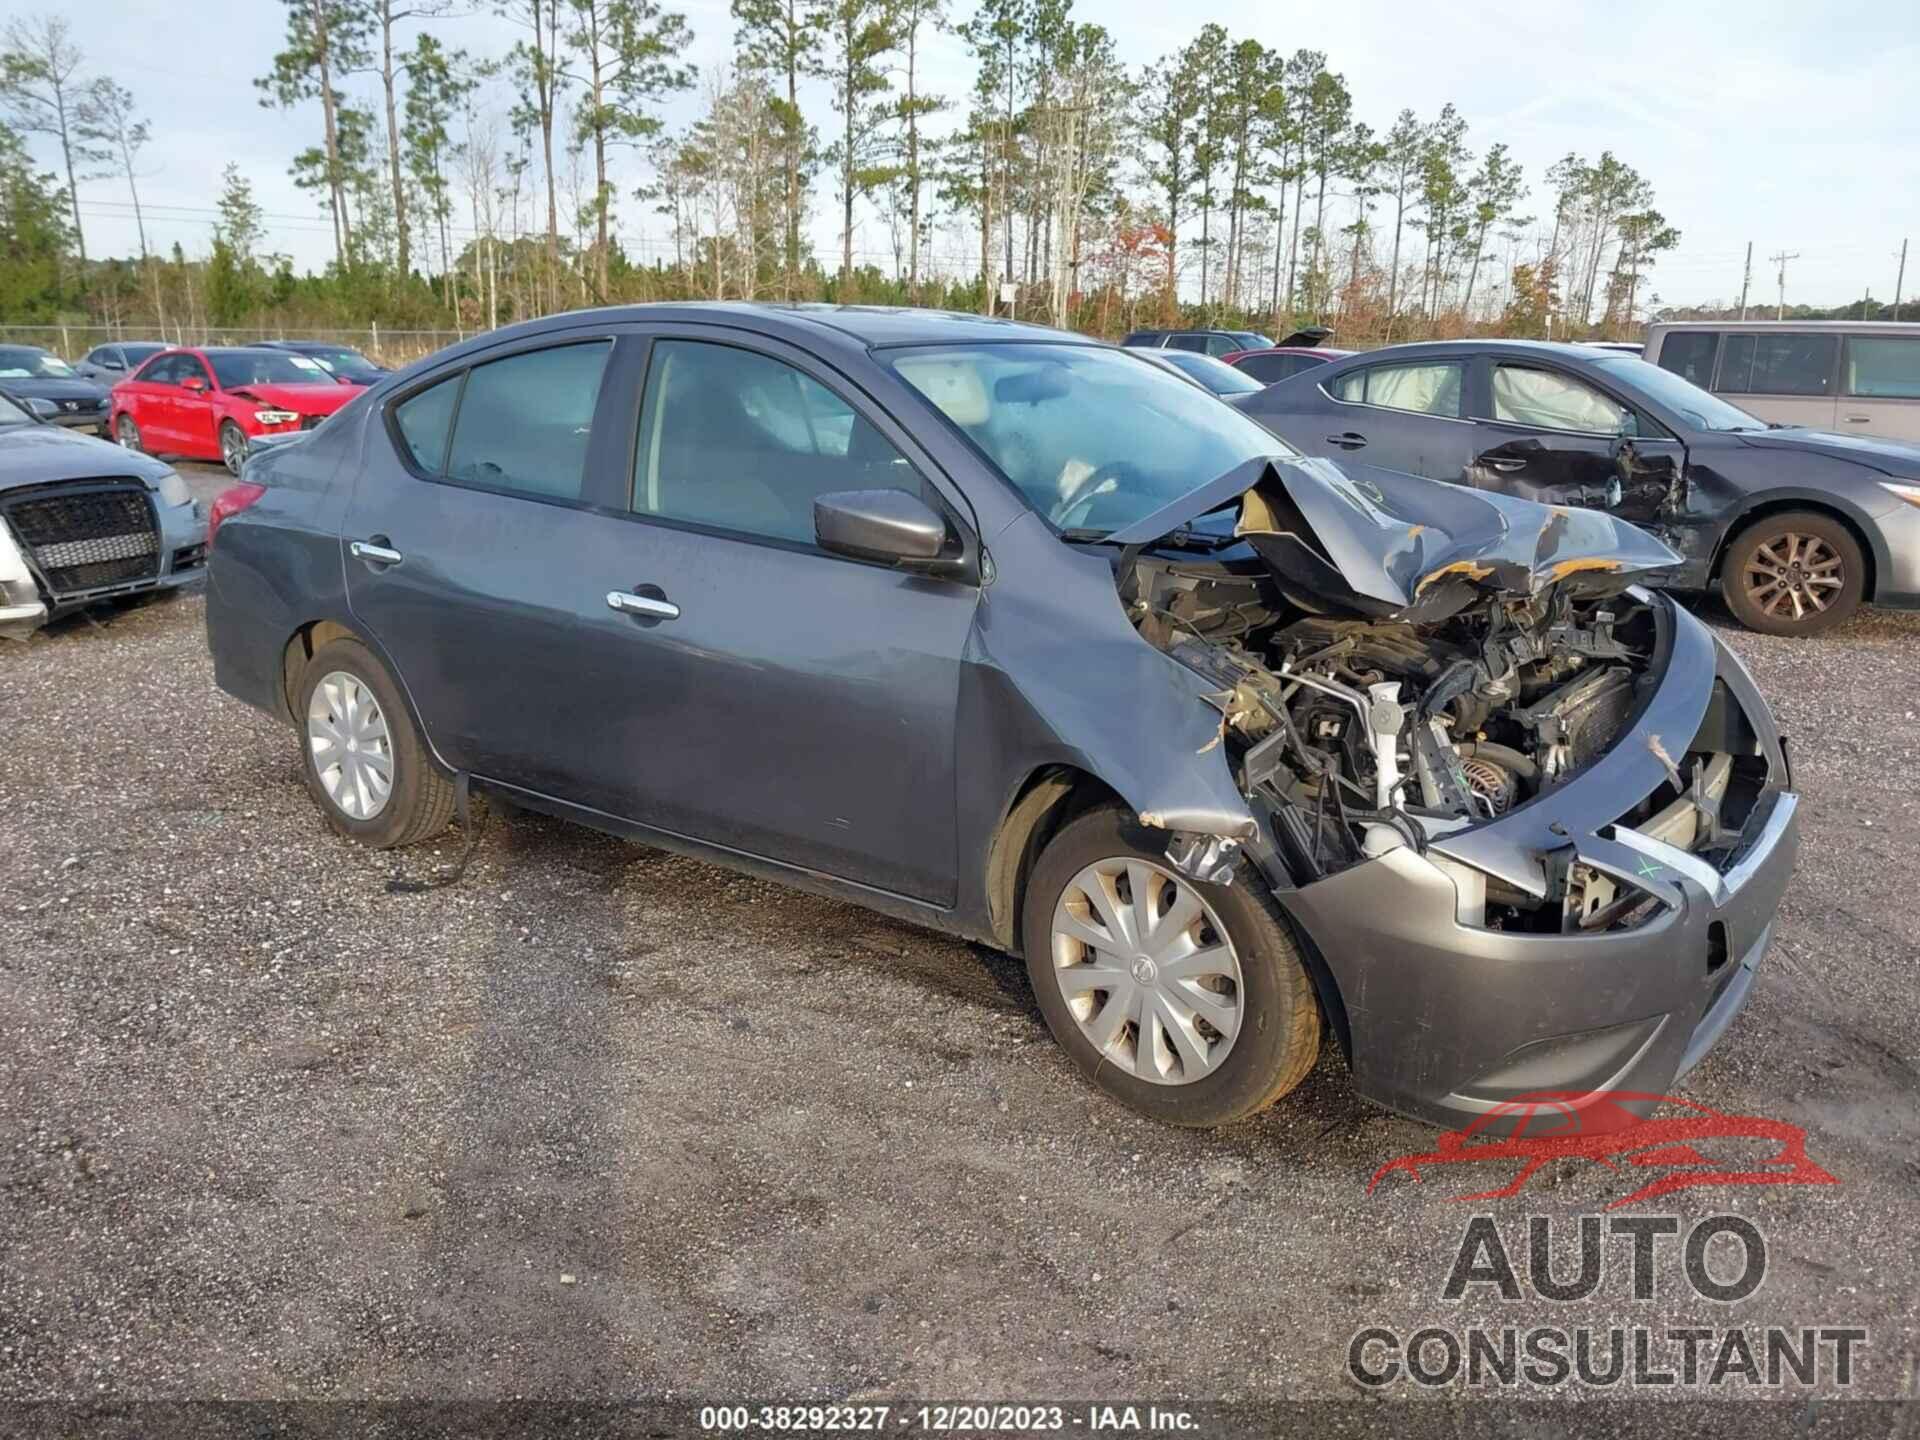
1785	124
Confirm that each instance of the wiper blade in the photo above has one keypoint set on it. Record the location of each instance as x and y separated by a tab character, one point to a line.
1085	536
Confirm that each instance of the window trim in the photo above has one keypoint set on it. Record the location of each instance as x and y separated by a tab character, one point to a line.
930	491
1835	367
462	372
1464	362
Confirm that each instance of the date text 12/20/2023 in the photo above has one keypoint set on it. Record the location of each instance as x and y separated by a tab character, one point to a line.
938	1419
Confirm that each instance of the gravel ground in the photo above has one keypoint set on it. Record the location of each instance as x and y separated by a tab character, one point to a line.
602	1122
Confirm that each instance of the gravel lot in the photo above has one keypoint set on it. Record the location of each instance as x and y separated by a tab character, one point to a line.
602	1122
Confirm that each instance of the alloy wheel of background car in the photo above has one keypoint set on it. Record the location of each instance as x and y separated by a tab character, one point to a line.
233	446
128	433
1146	970
364	761
352	751
1111	933
1794	574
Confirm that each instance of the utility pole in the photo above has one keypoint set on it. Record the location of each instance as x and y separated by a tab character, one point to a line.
1901	282
1780	310
1746	281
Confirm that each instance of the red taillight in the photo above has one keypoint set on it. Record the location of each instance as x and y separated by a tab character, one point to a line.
231	501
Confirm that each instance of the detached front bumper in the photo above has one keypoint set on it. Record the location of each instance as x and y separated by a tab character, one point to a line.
1449	1020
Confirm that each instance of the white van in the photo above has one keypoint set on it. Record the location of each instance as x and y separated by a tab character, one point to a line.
1859	377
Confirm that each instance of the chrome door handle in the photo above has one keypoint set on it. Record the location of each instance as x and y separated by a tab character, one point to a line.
646	605
378	554
1349	440
1859	419
1494	463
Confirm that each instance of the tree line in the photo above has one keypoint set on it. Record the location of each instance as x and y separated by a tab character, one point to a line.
1228	183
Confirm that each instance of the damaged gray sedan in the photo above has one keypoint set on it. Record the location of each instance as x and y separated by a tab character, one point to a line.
997	630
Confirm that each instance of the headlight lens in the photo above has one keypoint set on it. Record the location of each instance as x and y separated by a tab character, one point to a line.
1908	493
173	490
276	417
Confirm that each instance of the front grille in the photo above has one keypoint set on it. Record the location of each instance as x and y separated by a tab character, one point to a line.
88	534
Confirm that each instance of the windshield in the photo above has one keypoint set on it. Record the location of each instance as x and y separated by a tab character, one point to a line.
12	412
266	367
1251	340
350	363
1092	438
1218	376
22	364
1667	389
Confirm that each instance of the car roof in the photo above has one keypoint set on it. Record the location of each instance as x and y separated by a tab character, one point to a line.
1414	350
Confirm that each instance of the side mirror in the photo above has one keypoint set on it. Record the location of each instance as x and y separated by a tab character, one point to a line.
888	525
43	409
194	383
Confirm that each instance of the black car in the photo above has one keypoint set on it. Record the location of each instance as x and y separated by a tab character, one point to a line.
1003	631
1206	342
29	373
343	362
116	361
1797	527
1216	377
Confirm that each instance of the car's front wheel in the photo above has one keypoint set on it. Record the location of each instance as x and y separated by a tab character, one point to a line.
1795	573
233	446
1186	1001
364	761
127	432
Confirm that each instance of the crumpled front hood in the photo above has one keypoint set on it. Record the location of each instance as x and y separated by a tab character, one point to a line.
1889	457
1382	543
321	399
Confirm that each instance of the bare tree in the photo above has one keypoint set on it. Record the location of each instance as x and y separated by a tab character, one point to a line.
40	92
107	123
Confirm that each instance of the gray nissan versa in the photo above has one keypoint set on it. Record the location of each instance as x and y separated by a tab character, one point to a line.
998	630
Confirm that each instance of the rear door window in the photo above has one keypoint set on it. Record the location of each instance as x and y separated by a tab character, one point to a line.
525	422
1689	354
1883	367
1427	389
1187	342
1778	364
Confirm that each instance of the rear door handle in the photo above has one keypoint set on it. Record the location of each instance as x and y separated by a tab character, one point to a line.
1349	440
1859	419
1493	462
650	606
376	554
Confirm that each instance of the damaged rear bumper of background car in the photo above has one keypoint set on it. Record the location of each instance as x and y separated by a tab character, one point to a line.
1445	1019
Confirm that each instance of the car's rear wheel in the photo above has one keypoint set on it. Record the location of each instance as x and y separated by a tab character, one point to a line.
233	445
126	432
365	763
1795	573
1186	1001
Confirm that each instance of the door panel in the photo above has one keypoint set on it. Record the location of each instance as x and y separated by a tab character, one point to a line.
1400	417
1880	387
195	415
1630	477
1788	378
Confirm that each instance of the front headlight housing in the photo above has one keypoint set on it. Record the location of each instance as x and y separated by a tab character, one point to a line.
173	490
276	417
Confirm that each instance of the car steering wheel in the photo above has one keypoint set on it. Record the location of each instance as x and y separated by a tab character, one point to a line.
1088	489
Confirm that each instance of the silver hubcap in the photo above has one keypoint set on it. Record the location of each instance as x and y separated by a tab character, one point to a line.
352	752
1792	576
233	445
129	436
1147	971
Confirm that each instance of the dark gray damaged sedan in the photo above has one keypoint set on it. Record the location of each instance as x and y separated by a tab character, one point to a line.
1000	631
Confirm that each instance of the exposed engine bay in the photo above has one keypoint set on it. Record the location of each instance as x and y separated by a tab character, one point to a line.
1359	735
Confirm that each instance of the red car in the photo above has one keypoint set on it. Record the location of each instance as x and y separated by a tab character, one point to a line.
209	404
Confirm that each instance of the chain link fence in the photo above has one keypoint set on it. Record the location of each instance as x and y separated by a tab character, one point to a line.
389	347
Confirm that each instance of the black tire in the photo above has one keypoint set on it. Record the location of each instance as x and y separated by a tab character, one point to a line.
1279	1034
1758	574
233	448
420	803
127	432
